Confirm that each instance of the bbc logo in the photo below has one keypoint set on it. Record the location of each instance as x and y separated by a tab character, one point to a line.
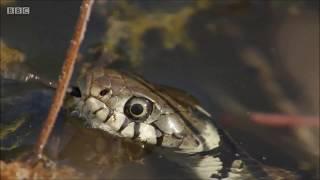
18	10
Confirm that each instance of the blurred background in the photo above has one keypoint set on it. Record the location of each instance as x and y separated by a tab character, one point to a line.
240	58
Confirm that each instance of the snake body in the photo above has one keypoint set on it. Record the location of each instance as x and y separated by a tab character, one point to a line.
129	107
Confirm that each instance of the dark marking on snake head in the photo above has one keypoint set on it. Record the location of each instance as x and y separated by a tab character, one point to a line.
124	125
159	141
109	116
136	129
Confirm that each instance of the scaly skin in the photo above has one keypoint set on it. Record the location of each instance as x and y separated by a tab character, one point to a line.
128	107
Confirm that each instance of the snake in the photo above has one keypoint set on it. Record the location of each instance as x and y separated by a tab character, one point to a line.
126	106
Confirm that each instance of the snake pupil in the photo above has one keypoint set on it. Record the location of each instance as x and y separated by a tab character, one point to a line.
136	109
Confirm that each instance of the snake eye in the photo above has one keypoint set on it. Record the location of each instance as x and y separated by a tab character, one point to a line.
138	108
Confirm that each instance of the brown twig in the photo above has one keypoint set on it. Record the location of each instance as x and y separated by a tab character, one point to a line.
65	76
273	89
284	120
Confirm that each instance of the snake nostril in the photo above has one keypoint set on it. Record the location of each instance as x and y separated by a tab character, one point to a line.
103	92
75	91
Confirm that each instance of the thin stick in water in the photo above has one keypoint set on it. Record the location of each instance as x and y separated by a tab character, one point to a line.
65	76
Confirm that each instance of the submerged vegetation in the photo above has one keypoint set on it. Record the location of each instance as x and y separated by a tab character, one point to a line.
129	24
9	56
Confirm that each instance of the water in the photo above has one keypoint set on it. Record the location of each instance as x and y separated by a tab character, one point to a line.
216	71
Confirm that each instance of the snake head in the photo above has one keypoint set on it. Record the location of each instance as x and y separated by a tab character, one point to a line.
131	108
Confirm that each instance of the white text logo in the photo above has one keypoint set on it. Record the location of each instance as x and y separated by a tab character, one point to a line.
18	10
